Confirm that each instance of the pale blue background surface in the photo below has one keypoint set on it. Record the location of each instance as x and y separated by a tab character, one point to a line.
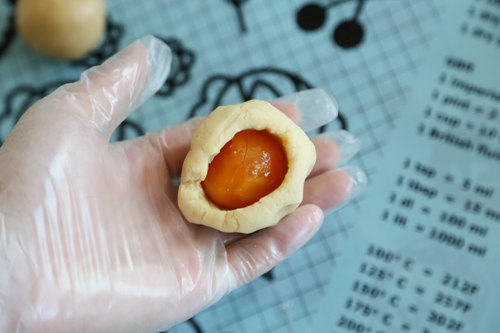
370	82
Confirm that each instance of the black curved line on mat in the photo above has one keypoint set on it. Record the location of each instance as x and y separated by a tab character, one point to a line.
223	83
193	324
8	35
246	94
183	60
238	6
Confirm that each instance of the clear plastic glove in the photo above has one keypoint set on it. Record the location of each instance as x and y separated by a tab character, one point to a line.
91	239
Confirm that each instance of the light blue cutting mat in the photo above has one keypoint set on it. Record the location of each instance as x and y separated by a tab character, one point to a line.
220	57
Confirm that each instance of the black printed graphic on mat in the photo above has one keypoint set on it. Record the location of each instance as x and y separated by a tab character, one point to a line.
8	32
261	83
269	275
347	34
183	60
238	7
128	129
19	99
192	324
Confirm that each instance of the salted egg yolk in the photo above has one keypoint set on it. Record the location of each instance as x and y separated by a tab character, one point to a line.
251	165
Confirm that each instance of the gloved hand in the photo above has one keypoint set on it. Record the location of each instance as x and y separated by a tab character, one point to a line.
91	238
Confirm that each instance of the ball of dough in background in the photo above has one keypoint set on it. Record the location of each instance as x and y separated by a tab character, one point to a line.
63	29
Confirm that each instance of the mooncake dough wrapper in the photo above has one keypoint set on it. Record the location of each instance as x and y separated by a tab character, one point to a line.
207	141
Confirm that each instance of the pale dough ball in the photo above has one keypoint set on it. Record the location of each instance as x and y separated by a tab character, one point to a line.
63	29
209	138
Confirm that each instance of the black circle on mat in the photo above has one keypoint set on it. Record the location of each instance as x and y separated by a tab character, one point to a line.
348	34
311	17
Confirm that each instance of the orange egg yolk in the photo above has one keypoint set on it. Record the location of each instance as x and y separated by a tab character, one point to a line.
251	165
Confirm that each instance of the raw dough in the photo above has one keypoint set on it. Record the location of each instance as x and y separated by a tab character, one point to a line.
63	29
211	135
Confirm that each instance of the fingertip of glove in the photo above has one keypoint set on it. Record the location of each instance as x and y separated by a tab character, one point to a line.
159	53
159	62
316	106
359	180
308	219
348	144
316	214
